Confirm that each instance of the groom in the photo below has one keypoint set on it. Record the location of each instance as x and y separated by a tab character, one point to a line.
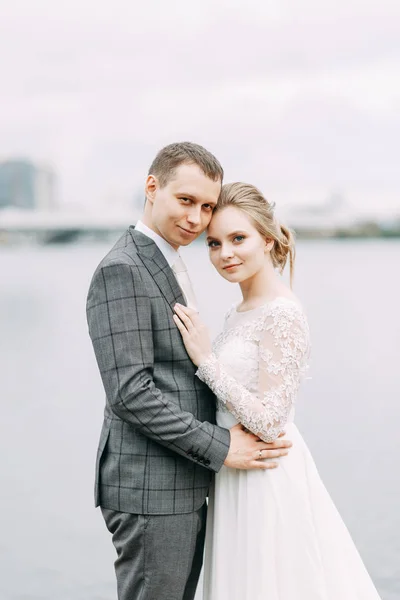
159	444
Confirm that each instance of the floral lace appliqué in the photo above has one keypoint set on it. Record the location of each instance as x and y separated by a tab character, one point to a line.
268	386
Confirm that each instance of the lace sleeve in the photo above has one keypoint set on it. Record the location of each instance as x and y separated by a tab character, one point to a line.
283	352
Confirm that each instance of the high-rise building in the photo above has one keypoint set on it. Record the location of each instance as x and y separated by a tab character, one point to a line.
24	184
45	183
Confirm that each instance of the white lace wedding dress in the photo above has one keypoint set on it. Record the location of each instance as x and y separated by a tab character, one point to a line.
274	534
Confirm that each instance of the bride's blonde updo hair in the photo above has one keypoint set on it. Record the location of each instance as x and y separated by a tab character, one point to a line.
250	200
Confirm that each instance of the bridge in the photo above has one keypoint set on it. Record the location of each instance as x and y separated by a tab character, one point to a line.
62	226
65	226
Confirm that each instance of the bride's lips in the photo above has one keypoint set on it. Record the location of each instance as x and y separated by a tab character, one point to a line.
229	267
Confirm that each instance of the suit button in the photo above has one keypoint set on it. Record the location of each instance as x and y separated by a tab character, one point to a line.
195	456
207	462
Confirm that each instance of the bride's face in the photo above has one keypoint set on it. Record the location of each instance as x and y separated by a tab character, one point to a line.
236	248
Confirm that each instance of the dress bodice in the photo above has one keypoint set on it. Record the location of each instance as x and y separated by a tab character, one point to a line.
257	364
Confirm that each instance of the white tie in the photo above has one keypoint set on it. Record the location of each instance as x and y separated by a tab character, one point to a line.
182	277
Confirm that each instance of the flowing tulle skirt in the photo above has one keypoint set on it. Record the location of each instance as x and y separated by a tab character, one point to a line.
276	535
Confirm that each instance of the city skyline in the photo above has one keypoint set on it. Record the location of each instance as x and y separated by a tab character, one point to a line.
299	100
27	185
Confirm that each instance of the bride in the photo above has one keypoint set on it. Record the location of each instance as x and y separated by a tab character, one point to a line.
271	534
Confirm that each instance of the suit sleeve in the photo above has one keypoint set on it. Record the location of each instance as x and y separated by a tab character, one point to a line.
119	320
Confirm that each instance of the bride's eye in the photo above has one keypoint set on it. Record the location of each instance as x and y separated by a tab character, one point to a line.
212	244
239	238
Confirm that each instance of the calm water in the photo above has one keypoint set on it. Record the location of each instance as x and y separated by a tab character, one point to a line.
54	544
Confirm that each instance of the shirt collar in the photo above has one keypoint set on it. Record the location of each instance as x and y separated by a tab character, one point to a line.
169	253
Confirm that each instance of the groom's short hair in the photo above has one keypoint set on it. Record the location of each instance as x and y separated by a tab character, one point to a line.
172	156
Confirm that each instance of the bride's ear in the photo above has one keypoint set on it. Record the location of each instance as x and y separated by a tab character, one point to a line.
269	244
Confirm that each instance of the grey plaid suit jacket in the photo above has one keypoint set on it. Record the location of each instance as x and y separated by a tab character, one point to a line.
159	444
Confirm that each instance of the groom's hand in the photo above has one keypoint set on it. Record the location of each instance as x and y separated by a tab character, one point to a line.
247	451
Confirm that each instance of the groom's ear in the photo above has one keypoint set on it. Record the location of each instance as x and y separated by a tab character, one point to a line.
150	188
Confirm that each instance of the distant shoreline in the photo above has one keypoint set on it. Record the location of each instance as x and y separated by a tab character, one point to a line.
65	237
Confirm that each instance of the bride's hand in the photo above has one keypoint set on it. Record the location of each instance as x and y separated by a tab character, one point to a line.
194	333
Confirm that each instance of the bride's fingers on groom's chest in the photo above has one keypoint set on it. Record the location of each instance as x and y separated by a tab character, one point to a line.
190	313
181	327
182	315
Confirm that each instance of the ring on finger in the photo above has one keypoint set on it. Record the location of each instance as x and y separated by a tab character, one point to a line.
260	454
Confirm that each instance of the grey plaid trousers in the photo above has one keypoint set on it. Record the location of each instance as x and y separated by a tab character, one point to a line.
159	444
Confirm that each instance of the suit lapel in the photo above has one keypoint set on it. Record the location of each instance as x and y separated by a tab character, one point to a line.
158	267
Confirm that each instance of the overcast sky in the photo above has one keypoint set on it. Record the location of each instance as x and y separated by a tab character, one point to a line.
301	97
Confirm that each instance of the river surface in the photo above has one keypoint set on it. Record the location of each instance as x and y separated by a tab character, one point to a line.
54	545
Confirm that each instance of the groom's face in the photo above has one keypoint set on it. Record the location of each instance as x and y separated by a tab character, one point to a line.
182	209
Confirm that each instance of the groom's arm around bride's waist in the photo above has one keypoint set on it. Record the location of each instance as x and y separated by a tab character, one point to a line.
119	316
